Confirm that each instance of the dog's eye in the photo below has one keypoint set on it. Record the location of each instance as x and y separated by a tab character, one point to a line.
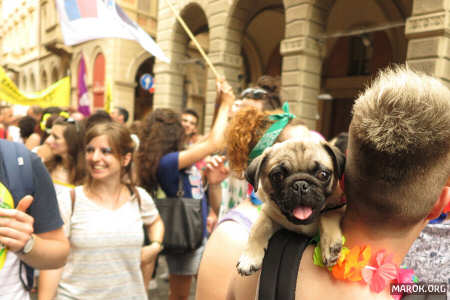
323	175
276	176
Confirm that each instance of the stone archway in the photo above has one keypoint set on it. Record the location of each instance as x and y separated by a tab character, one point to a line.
352	58
143	99
24	86
44	80
172	79
32	86
98	82
54	76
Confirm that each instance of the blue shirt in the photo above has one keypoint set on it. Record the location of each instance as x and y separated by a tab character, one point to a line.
44	208
168	175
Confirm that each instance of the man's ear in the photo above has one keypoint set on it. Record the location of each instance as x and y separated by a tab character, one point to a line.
441	203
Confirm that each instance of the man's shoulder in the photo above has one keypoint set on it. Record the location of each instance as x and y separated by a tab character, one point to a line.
314	282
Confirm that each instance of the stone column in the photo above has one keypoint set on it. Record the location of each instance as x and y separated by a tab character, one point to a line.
428	34
169	77
224	53
302	57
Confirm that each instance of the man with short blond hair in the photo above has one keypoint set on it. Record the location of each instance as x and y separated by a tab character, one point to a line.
396	180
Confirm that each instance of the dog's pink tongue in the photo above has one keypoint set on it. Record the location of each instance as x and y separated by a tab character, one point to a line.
302	212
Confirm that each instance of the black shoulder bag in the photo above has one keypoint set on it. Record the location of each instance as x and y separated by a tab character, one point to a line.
183	222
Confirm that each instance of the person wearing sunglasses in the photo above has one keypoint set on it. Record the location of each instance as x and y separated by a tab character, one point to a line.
264	96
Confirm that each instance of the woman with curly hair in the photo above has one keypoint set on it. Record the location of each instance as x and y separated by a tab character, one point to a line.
162	160
264	96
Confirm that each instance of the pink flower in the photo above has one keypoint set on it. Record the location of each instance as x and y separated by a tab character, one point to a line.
404	275
379	276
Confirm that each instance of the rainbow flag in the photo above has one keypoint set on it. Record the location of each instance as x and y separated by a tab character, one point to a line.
84	20
76	9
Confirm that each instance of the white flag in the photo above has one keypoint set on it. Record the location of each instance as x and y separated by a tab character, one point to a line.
84	20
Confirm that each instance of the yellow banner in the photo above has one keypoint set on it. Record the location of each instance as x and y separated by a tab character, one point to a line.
108	96
58	94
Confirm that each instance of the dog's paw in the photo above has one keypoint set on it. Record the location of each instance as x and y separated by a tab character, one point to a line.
249	264
331	248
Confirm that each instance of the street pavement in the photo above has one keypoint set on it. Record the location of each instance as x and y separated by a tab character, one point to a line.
161	292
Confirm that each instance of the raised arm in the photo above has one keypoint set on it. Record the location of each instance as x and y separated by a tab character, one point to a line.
214	141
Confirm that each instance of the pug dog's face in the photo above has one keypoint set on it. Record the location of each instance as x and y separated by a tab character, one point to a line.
297	176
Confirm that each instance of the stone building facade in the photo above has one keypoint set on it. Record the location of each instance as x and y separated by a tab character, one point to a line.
32	50
323	50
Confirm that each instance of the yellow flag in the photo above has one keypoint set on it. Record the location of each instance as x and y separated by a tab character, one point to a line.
58	94
108	96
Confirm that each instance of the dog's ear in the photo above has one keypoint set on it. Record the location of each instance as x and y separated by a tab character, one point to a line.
253	170
338	159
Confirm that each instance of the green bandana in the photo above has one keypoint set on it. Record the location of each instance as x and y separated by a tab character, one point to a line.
272	133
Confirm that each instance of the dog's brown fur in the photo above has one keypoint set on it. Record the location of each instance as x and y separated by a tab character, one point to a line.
299	160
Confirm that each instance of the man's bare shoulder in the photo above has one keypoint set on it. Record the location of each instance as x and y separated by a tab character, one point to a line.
314	282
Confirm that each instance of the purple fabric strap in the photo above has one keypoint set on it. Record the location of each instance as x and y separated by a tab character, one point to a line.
238	217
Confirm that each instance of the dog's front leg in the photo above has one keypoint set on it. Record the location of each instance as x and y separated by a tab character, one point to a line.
252	257
331	236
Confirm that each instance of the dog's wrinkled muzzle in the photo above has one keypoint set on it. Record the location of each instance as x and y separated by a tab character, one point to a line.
302	202
301	188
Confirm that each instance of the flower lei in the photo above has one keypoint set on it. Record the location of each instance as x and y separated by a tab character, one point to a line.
359	265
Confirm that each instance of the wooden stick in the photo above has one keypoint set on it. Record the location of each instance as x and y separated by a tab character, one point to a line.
189	33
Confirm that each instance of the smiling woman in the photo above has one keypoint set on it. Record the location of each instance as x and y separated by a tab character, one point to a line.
102	161
103	219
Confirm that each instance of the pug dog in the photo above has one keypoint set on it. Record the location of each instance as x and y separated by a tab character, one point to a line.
296	180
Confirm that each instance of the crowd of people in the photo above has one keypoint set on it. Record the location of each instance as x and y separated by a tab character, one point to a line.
89	226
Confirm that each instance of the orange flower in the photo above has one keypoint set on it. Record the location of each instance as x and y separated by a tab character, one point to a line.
351	263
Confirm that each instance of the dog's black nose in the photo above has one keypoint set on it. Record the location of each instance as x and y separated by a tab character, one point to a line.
301	186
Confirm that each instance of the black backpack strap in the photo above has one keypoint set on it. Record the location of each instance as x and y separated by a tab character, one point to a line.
278	278
268	280
290	262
